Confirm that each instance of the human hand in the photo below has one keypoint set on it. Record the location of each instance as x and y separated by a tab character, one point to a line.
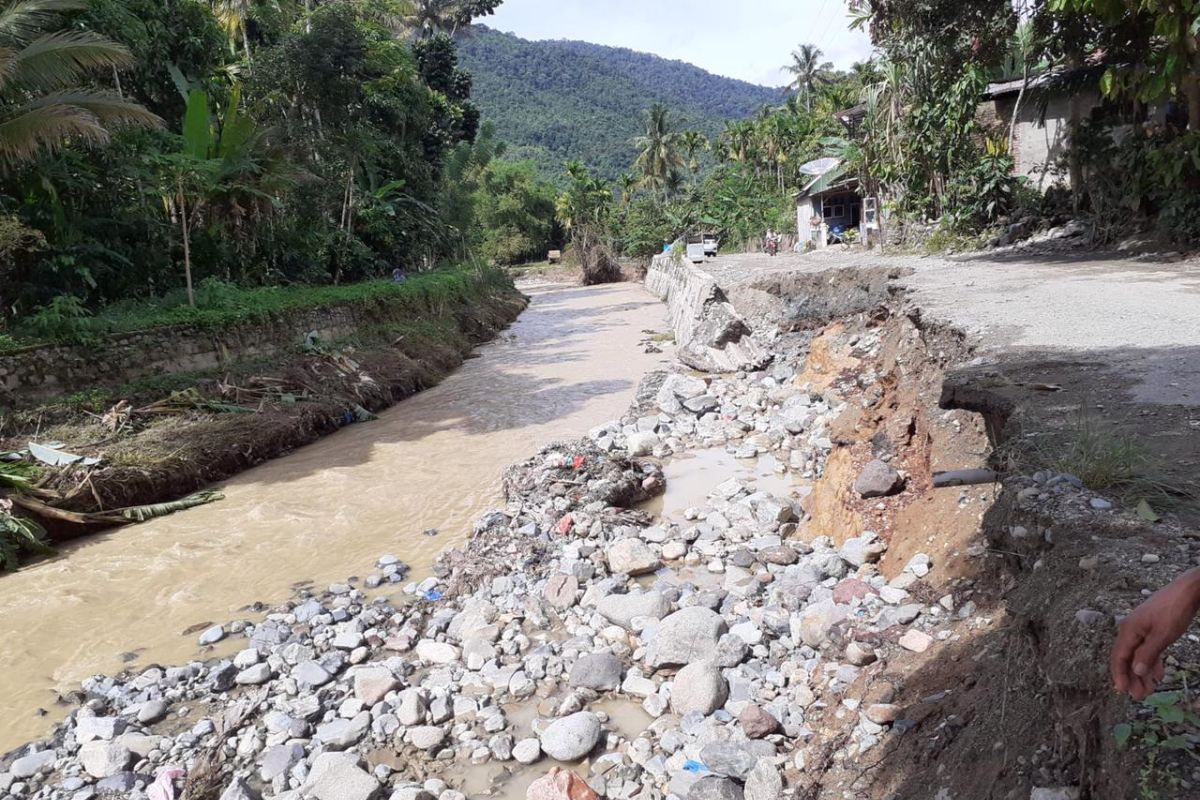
1137	656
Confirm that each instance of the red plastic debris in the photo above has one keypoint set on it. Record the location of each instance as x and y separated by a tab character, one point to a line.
579	462
565	525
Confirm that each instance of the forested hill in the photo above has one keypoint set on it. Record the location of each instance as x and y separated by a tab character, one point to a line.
555	101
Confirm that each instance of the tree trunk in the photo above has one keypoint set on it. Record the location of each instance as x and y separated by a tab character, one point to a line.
1192	93
1016	114
246	43
1073	156
185	227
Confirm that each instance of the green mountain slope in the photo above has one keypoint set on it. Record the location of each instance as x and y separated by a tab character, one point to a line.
556	101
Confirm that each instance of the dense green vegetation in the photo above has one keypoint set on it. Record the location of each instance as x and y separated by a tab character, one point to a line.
151	148
219	304
914	138
565	101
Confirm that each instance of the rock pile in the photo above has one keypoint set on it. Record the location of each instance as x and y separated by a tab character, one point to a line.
741	642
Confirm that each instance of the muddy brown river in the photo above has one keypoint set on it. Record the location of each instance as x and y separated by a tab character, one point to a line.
328	511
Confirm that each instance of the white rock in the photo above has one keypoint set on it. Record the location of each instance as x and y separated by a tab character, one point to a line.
432	652
699	687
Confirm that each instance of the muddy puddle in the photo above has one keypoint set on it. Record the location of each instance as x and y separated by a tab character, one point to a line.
330	510
691	478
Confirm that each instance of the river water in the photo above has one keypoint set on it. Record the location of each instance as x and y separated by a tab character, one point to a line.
328	511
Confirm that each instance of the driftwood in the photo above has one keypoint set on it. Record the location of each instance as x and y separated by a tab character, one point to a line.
120	516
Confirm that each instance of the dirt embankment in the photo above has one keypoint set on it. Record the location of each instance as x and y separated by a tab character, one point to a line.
162	440
1032	570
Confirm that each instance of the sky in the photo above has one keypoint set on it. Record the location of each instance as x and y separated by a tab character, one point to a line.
750	40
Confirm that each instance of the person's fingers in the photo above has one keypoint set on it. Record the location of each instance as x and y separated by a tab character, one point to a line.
1128	639
1149	652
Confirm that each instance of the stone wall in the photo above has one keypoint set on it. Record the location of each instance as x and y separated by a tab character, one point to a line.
44	373
709	333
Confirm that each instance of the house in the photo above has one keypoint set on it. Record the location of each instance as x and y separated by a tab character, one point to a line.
833	203
1043	119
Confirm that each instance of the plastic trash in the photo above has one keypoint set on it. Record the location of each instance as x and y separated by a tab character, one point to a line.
164	785
694	766
433	595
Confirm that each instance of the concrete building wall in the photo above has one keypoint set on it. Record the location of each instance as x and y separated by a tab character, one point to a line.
1041	142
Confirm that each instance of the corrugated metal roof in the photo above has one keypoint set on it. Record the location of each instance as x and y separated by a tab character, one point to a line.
825	181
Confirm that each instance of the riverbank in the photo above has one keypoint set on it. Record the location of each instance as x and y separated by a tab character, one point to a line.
123	599
877	621
277	388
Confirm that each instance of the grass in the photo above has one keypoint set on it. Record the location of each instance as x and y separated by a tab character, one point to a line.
219	305
1112	463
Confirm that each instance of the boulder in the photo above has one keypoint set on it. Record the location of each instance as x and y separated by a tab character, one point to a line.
102	759
622	609
426	737
729	759
560	784
560	591
600	672
878	479
757	722
32	764
342	733
711	787
641	444
764	782
631	557
699	688
372	684
688	635
916	641
571	738
439	653
527	751
337	776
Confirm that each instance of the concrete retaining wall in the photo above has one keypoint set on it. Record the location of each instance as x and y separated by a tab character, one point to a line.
709	333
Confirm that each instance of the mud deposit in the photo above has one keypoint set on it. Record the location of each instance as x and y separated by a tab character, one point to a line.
327	511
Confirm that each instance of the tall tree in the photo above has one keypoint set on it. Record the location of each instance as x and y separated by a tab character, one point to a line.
430	17
41	70
693	143
807	71
658	149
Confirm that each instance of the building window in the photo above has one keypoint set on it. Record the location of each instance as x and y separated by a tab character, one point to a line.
834	212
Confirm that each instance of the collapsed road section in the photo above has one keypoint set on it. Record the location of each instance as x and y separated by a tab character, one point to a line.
899	619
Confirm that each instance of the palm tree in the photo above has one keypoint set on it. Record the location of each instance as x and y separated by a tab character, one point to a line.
693	143
234	17
737	140
658	155
807	71
429	17
41	109
627	183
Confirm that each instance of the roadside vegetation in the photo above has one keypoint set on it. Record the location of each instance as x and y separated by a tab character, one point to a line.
907	125
182	161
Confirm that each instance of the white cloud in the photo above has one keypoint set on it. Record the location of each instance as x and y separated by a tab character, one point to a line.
750	40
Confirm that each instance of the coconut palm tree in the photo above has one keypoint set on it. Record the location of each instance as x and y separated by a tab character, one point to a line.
658	153
41	66
807	71
738	140
429	17
627	183
693	143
